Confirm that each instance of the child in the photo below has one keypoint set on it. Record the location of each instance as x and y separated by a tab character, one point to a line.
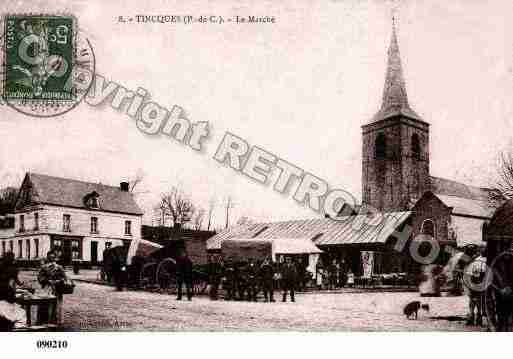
350	279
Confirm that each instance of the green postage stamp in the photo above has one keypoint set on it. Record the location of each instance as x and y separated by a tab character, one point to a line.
39	53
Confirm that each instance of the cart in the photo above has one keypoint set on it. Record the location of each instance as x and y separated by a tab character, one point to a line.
155	268
498	285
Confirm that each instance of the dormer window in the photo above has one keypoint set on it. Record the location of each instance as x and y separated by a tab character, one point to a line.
92	200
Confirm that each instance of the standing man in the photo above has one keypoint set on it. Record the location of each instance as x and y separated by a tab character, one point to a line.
229	280
332	275
216	273
252	274
50	276
473	280
267	279
184	275
107	263
289	279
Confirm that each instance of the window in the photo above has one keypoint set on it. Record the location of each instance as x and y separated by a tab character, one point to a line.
380	147
22	223
11	246
94	224
56	245
94	202
20	248
3	248
128	228
66	223
36	247
28	248
36	221
76	249
428	227
415	146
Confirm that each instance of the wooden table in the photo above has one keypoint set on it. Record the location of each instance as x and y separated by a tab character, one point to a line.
41	313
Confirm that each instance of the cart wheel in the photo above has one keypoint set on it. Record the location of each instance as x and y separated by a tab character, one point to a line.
200	286
147	275
490	306
166	275
499	269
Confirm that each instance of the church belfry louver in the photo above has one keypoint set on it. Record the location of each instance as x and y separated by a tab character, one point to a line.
395	151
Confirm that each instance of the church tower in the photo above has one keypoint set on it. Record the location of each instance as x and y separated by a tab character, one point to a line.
395	151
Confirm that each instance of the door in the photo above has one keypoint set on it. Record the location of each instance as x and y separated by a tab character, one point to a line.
94	252
66	252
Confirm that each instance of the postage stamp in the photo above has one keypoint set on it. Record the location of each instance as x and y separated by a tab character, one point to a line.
39	53
47	63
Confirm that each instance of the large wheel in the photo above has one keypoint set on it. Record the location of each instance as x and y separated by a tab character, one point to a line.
147	275
166	275
494	299
200	282
490	308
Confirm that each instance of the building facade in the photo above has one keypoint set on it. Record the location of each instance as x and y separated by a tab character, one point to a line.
74	218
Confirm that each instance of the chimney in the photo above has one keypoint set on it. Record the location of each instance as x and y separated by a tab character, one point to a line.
123	186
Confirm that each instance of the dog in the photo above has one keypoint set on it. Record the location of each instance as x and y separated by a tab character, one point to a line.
411	310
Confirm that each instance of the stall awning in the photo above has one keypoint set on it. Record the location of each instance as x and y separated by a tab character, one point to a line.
286	245
295	246
358	229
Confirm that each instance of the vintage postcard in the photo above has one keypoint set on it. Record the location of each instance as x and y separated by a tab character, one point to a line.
255	166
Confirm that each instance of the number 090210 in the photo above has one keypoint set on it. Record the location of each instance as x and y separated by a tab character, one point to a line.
52	344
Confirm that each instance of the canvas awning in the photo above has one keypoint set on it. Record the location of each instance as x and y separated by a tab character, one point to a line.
141	247
295	246
286	245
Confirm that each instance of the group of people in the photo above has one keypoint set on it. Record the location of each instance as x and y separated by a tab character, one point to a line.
51	276
333	275
244	280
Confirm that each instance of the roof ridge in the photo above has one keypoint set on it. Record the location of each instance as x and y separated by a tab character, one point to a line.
461	183
74	180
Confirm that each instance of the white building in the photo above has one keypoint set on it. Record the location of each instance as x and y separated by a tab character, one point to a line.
74	218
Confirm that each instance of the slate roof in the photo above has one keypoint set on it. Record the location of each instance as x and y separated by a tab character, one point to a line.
452	188
467	207
466	200
70	193
323	231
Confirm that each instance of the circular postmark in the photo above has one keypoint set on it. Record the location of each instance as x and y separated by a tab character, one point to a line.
48	64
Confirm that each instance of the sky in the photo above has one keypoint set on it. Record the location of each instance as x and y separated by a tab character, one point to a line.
300	88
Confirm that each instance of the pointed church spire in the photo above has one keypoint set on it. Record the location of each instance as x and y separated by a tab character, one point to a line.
395	98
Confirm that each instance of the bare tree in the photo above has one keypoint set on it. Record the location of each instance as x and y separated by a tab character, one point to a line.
228	206
136	179
176	205
211	206
198	219
503	188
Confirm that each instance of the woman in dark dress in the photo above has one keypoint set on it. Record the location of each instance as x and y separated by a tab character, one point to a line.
9	311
